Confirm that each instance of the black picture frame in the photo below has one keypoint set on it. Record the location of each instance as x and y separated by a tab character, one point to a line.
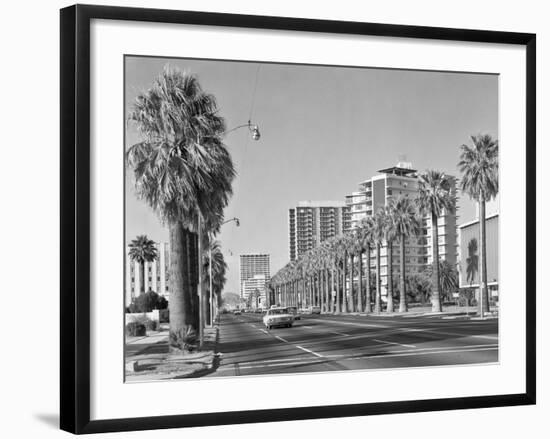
75	217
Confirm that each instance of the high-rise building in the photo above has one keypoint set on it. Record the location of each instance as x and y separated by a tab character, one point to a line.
374	193
156	274
251	265
312	222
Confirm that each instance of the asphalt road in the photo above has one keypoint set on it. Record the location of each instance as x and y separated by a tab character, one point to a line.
330	343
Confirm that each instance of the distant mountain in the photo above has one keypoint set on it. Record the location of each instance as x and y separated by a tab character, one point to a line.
231	300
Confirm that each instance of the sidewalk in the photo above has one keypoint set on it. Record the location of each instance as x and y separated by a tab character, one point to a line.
149	358
151	338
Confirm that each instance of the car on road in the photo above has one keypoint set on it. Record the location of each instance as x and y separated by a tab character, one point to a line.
294	311
237	312
315	310
278	317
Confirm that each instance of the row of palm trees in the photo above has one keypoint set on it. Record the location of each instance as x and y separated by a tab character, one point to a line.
184	172
334	261
324	276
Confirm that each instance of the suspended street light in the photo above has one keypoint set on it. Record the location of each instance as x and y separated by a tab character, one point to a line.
253	129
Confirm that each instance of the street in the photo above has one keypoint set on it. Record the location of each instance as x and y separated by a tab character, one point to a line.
318	343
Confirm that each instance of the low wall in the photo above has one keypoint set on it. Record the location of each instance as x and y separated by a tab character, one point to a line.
153	315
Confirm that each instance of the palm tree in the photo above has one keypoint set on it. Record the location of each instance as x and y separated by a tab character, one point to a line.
479	167
184	173
472	261
332	259
341	254
389	233
378	232
142	250
435	197
407	224
449	278
219	269
366	238
358	249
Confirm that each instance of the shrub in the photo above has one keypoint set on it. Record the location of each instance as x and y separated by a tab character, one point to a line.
135	329
147	302
150	325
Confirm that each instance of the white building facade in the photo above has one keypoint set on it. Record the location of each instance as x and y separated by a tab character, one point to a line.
156	275
373	194
251	265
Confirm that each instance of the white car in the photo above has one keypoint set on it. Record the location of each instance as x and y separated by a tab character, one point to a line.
278	317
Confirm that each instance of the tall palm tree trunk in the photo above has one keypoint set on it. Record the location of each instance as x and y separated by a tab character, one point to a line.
351	304
143	276
389	277
331	295
182	328
310	291
319	285
337	291
436	298
321	289
344	285
192	274
378	292
367	282
360	292
402	292
326	289
483	290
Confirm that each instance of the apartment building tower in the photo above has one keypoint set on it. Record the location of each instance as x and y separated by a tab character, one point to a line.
373	194
250	266
312	222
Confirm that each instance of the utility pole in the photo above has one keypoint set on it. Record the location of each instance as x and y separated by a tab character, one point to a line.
211	283
200	289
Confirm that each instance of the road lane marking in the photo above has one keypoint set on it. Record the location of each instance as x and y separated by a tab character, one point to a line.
398	344
396	354
282	360
366	325
490	337
339	333
412	353
454	334
311	352
308	327
281	338
264	331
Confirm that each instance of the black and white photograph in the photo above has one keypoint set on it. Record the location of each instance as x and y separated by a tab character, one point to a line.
296	218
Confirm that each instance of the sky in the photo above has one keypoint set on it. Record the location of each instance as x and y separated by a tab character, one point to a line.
323	130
